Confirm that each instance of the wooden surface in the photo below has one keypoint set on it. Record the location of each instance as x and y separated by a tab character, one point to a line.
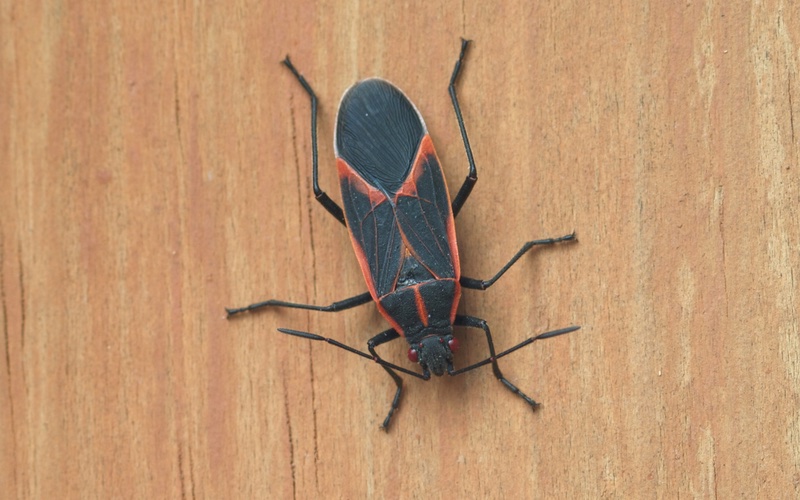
155	166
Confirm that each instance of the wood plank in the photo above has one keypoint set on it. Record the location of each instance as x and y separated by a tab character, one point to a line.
155	164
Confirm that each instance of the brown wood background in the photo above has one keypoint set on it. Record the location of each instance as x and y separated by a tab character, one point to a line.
156	168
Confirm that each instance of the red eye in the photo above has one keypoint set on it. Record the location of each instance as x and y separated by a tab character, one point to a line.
413	355
453	344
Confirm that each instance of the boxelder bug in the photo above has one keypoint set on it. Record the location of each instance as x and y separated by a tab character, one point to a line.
400	218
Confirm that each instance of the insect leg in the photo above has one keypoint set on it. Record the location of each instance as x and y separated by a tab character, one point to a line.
336	306
472	176
321	196
477	284
374	342
473	322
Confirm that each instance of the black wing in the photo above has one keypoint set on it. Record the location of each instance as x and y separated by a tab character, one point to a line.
409	238
424	216
378	132
394	194
374	233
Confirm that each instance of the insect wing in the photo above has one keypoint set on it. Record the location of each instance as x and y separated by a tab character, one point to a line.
425	218
378	133
394	194
373	231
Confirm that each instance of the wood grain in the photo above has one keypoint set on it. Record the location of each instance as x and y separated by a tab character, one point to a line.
155	165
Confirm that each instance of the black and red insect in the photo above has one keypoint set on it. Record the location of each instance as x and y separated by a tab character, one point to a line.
401	222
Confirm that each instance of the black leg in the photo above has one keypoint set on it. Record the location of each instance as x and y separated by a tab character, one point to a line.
336	306
472	322
472	177
477	284
374	342
321	196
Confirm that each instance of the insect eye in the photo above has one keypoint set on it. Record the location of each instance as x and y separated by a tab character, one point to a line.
413	355
453	344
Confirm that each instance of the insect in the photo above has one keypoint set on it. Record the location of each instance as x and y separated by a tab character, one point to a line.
401	223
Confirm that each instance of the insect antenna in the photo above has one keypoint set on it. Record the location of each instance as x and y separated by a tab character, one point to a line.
541	336
380	361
